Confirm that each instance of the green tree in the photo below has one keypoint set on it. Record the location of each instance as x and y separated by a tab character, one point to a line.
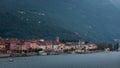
37	50
116	46
110	46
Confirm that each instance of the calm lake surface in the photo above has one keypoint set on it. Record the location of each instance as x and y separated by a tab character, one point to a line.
95	60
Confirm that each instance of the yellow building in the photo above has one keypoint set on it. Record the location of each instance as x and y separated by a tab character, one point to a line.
2	47
33	45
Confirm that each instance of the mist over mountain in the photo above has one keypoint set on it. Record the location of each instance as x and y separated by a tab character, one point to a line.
96	20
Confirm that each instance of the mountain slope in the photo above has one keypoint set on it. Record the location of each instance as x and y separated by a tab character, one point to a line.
96	21
25	25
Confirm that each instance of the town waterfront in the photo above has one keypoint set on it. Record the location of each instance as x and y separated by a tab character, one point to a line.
94	60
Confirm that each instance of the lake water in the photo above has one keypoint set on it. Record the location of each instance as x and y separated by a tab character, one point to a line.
95	60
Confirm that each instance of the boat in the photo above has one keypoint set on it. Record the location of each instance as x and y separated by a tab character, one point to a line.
11	60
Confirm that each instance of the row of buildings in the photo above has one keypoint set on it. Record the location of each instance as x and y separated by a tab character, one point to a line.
15	45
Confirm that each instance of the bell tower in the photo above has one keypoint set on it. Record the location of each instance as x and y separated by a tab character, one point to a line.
57	39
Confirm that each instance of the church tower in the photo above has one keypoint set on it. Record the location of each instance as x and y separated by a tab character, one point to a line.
57	39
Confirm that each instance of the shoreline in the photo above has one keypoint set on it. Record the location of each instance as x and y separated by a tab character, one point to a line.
4	55
25	55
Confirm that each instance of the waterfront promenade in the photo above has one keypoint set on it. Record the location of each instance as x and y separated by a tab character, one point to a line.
46	54
4	55
43	54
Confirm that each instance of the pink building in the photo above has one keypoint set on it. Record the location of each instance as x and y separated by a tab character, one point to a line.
13	46
26	45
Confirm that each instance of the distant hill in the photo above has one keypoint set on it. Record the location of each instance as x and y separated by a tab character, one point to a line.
96	20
